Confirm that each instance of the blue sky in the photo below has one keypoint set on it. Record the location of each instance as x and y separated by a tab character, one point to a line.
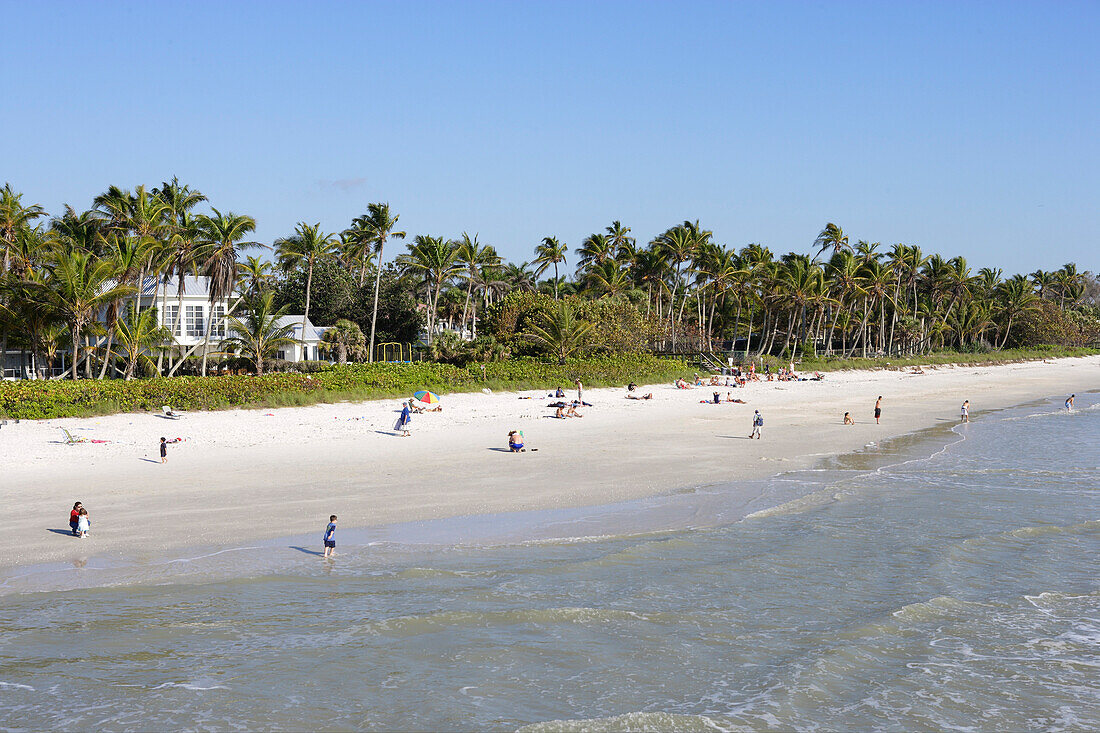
965	128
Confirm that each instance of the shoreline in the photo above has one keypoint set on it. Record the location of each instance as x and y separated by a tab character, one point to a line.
240	468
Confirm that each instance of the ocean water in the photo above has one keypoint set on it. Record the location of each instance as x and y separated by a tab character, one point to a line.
945	581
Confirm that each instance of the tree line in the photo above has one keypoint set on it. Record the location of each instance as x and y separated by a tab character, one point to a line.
67	284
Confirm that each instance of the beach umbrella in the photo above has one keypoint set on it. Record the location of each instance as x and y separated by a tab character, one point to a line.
429	398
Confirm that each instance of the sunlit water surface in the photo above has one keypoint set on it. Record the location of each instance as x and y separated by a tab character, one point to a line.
953	586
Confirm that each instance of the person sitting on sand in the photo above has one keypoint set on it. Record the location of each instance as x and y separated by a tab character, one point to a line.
560	393
560	413
515	440
730	399
572	411
717	398
631	387
848	419
681	384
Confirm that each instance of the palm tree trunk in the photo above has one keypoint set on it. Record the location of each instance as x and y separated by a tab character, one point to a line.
75	332
374	311
555	279
305	316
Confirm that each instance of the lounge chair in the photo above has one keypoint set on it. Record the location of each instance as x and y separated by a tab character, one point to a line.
171	414
71	439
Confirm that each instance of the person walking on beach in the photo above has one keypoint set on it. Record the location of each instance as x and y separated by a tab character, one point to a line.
1069	402
757	423
402	425
878	409
163	450
330	537
83	524
965	416
74	518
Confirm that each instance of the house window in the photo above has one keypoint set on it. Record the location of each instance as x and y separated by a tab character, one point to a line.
171	315
281	356
194	320
218	327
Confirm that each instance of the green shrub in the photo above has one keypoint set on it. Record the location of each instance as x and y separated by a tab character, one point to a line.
64	398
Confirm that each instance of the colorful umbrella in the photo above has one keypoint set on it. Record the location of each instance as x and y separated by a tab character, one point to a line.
428	398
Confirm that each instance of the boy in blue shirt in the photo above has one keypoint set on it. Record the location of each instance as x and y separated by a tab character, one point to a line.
330	537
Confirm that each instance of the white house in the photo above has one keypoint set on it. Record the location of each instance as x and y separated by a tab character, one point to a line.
187	317
314	335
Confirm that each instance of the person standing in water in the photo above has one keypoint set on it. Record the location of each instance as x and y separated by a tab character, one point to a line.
1069	402
965	415
330	537
878	409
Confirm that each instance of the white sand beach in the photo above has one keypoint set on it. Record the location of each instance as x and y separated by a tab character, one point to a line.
254	474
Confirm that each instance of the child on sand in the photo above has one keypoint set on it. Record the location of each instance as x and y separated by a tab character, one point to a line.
163	450
83	523
515	440
848	419
330	537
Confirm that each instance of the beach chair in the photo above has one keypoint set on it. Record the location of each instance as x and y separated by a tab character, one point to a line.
71	439
170	413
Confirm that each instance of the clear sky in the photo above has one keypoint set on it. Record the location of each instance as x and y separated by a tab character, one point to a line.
969	128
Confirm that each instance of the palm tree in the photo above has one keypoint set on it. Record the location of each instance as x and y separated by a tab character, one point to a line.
472	258
831	236
222	237
560	331
257	333
77	287
433	259
607	278
254	275
550	252
373	229
1015	297
137	334
518	276
593	250
14	217
621	241
306	247
346	339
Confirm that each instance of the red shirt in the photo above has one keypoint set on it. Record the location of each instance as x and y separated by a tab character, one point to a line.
74	516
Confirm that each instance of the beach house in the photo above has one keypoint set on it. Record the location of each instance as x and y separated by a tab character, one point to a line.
190	317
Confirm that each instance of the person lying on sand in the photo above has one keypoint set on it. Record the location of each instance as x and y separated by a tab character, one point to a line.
424	408
729	398
681	384
643	397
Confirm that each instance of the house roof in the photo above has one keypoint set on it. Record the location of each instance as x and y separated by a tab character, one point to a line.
313	333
